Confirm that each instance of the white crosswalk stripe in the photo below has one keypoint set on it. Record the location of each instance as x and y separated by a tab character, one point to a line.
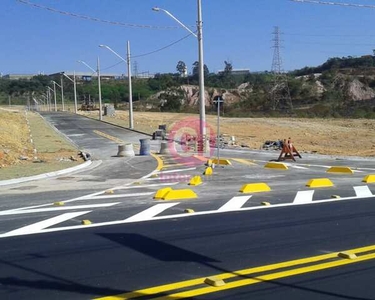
304	196
234	203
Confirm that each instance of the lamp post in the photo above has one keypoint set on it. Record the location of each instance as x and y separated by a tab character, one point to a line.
97	71
127	60
54	94
62	92
75	89
199	36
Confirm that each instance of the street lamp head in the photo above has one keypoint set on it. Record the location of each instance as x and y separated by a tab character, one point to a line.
156	8
103	46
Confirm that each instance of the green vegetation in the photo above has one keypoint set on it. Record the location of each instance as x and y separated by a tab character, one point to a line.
340	87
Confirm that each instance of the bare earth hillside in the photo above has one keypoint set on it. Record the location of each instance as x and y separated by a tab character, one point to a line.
353	137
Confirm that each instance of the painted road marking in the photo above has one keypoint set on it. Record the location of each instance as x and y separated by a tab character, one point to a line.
362	191
117	196
151	212
235	203
38	210
309	264
304	196
177	170
39	226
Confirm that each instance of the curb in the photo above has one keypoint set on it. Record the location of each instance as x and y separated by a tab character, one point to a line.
45	175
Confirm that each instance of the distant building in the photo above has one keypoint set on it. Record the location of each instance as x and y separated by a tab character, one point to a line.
88	76
236	72
19	76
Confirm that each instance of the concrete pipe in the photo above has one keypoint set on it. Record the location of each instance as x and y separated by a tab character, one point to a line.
125	150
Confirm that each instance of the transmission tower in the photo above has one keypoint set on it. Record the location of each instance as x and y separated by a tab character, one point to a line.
135	69
279	93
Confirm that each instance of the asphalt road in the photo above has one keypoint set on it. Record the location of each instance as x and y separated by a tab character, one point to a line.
111	260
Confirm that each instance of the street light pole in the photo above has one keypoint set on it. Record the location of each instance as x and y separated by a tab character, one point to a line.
54	94
100	91
127	60
199	36
62	93
75	89
97	71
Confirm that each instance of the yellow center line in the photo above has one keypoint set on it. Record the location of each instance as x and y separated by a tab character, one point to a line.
205	290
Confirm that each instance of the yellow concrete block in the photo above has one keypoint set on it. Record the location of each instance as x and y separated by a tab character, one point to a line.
208	171
369	178
162	192
196	180
345	170
319	182
276	165
225	162
86	222
180	195
154	175
255	188
347	255
335	196
266	203
60	203
209	162
189	210
214	281
109	192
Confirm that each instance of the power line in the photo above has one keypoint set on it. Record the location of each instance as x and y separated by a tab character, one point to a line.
335	3
151	52
89	18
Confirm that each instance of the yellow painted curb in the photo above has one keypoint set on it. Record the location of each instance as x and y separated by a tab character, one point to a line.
347	255
214	281
85	222
179	195
369	178
59	203
208	171
266	203
345	170
319	182
221	162
196	180
189	211
159	160
336	196
276	165
255	188
162	192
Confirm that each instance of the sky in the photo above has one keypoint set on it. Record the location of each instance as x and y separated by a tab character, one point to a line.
35	40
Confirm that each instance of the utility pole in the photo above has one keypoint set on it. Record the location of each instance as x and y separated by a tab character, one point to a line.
279	93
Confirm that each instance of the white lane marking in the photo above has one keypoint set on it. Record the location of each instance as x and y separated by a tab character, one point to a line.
150	212
76	134
177	170
184	215
362	191
144	186
304	196
298	167
39	226
38	210
118	196
234	203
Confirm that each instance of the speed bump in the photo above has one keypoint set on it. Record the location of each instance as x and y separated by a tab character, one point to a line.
319	182
208	171
255	188
196	180
369	178
347	255
276	165
214	281
162	192
179	195
345	170
221	162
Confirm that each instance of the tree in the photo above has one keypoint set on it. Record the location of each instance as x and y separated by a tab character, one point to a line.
181	67
196	69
